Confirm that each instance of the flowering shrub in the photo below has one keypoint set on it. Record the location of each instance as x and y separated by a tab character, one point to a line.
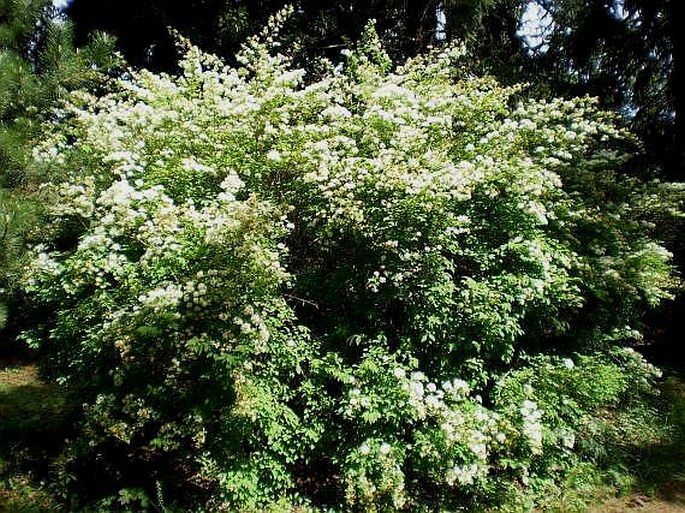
264	289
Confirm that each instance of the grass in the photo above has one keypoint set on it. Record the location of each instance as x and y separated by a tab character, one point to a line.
660	471
32	431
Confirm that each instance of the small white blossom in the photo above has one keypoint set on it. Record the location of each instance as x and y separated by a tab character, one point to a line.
274	156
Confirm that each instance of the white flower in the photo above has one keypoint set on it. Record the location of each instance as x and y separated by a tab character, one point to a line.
461	386
384	449
364	449
162	298
533	431
433	401
528	407
417	388
478	448
568	440
274	156
463	475
336	111
232	183
418	376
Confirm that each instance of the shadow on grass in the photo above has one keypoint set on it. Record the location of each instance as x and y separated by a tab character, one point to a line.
660	468
640	468
33	426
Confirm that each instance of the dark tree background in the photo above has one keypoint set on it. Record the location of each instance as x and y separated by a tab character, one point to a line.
629	54
220	26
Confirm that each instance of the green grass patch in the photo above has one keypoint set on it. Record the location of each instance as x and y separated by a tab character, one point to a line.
661	466
33	426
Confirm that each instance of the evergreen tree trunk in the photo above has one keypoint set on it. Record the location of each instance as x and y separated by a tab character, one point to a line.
678	88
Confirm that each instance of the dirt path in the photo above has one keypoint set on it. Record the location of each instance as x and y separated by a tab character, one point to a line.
670	500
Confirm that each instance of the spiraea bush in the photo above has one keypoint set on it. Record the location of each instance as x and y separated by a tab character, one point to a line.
271	291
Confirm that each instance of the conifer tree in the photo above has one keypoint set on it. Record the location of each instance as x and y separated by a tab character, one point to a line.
38	66
315	28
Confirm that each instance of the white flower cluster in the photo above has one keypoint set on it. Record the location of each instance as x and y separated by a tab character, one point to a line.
463	474
383	449
644	371
468	428
77	198
470	432
162	298
252	323
43	267
426	397
532	425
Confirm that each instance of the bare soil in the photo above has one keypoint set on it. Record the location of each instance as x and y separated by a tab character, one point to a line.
671	499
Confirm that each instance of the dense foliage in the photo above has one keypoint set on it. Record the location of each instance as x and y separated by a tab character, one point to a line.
261	290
